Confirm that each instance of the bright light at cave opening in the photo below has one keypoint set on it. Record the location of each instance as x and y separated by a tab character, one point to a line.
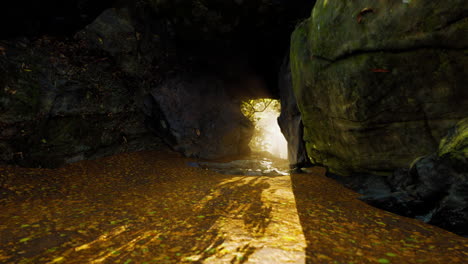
267	136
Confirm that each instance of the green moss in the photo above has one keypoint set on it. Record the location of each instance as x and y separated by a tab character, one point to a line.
302	69
299	55
456	142
349	82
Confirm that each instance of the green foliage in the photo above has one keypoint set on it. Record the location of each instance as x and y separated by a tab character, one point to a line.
250	107
252	110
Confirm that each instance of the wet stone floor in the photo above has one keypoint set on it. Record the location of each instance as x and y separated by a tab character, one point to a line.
156	207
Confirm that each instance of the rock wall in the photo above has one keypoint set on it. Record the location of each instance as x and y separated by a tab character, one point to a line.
290	120
65	101
196	116
62	102
379	83
107	89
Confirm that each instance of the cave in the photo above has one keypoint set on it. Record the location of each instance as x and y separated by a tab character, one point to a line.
233	131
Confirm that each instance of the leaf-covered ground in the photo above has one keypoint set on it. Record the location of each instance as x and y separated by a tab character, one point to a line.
151	207
341	229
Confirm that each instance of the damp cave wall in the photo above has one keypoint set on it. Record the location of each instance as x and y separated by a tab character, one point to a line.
85	79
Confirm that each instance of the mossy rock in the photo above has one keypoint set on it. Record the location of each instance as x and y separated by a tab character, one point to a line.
455	144
379	83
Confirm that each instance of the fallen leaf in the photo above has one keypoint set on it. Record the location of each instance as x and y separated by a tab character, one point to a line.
363	12
26	239
58	259
175	249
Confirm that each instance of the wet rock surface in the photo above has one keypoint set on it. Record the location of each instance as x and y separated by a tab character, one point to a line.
379	83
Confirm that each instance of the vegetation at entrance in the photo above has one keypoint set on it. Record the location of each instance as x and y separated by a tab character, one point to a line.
263	113
250	107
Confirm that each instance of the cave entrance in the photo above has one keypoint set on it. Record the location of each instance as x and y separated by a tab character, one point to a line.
267	138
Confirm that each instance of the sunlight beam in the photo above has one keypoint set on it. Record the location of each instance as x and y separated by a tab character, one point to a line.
267	135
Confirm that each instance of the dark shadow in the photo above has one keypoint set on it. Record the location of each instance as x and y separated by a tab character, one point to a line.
246	251
302	194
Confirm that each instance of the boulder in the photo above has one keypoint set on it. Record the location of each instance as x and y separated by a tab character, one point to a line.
290	120
378	83
434	189
196	116
452	166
